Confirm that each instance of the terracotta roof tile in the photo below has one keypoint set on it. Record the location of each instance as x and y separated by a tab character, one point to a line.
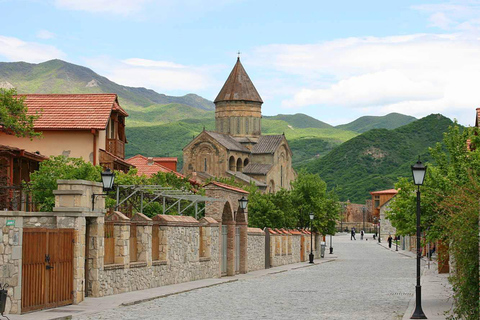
389	191
226	186
72	111
141	163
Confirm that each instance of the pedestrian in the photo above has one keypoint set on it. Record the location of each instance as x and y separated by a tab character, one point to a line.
352	234
390	241
361	235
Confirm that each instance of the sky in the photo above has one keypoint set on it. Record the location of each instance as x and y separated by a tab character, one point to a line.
333	60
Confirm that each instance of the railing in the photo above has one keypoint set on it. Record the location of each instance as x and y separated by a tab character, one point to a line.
15	198
117	147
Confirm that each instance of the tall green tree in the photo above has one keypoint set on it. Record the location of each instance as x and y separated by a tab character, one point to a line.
13	115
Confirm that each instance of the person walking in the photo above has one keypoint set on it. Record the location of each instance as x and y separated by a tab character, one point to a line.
361	235
352	234
390	241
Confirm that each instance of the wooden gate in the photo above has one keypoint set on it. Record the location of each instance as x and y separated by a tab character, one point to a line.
47	268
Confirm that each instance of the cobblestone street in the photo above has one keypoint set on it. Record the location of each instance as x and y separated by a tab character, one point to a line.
366	281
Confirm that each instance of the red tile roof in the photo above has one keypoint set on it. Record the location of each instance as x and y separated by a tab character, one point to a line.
229	187
17	152
389	191
141	163
72	111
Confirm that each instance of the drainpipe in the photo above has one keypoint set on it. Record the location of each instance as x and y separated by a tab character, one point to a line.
94	133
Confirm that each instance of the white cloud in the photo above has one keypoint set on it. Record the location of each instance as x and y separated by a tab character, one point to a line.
413	74
162	76
45	34
122	7
14	49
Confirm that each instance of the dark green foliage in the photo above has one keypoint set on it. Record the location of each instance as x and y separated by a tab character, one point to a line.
291	209
390	121
376	159
44	181
300	120
13	115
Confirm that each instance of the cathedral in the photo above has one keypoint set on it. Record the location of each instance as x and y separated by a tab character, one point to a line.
237	147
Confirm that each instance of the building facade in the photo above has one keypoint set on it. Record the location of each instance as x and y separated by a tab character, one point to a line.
237	147
88	126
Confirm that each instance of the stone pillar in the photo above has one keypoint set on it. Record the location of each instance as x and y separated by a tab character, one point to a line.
122	236
243	247
144	237
96	254
231	248
76	196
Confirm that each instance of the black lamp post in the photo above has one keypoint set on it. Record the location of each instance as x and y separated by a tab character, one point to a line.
311	237
243	203
108	178
331	247
396	243
379	230
364	209
418	171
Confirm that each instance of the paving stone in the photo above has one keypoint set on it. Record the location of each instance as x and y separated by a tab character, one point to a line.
366	281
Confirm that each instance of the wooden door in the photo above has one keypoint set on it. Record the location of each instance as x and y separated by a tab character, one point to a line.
47	268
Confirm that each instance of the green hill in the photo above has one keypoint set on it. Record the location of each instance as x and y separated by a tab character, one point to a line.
299	120
390	121
168	139
57	76
161	114
375	159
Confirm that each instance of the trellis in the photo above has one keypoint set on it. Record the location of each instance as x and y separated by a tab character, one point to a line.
160	193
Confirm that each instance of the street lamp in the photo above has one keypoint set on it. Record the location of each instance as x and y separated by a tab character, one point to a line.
331	247
108	178
243	203
364	209
418	171
311	237
379	230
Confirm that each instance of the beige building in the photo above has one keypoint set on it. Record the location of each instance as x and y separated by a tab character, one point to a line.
237	147
88	126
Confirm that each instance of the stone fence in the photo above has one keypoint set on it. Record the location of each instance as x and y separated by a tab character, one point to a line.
110	254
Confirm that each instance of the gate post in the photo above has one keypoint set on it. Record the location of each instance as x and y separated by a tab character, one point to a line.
231	248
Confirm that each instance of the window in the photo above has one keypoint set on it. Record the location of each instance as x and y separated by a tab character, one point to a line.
112	129
246	125
238	125
281	176
205	165
377	201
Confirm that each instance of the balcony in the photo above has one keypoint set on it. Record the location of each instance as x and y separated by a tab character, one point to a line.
116	147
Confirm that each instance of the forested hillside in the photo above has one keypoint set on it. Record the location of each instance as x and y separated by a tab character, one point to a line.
375	159
389	121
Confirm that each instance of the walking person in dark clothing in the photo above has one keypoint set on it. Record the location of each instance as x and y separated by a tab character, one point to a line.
390	241
352	234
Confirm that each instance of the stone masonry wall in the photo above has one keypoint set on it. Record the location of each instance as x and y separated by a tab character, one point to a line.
256	249
183	264
281	258
11	261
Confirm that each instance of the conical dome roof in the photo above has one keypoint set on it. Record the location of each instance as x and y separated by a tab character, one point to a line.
238	87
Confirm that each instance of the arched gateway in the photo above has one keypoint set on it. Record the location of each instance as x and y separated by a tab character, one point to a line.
233	226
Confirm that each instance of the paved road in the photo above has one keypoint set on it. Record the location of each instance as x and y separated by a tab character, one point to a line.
366	281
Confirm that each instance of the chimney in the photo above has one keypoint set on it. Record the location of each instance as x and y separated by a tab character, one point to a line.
150	161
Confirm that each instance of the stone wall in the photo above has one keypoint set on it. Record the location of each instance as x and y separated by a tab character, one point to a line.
183	264
386	227
11	260
281	253
256	249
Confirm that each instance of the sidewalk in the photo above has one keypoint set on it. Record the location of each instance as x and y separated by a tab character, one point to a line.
94	305
436	290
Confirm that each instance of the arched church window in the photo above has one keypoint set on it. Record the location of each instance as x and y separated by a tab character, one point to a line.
281	176
245	163
239	165
205	165
231	163
238	125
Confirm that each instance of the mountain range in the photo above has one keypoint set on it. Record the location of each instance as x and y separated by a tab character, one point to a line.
364	155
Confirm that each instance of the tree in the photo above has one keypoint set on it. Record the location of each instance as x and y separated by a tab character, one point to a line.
13	115
449	211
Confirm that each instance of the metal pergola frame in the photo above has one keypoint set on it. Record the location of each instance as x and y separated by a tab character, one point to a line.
163	193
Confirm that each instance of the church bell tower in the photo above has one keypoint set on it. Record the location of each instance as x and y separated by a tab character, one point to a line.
238	106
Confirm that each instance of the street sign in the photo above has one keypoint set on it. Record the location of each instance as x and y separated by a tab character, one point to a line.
10	223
